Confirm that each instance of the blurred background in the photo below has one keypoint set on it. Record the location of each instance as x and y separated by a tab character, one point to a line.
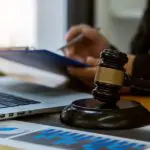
43	23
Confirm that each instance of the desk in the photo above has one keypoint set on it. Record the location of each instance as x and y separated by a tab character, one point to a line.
53	119
145	101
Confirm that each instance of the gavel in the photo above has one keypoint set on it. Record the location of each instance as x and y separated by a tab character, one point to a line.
106	110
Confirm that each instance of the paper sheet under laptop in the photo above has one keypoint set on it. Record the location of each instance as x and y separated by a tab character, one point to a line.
37	65
17	135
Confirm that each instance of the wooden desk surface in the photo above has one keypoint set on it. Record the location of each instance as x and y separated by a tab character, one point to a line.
145	101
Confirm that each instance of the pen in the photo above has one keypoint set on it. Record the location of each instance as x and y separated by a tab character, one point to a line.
74	40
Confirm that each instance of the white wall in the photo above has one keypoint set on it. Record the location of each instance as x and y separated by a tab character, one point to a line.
38	23
51	23
42	23
119	20
17	22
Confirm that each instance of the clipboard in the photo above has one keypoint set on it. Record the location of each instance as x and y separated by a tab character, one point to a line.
42	59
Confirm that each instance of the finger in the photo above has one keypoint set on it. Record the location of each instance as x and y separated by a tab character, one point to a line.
90	33
76	30
92	61
86	73
69	52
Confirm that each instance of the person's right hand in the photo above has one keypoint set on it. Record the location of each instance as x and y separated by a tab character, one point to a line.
91	45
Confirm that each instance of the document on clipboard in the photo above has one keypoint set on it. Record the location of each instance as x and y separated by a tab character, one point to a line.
42	59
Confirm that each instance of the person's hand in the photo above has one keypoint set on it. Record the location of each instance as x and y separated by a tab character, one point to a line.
91	45
85	75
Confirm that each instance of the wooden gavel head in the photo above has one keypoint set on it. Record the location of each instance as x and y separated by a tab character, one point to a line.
109	76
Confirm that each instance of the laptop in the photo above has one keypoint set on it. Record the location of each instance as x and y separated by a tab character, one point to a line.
27	97
19	98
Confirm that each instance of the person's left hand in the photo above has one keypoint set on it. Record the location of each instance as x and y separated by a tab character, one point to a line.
86	75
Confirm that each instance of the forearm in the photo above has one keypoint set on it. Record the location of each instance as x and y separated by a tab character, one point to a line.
141	67
138	66
139	70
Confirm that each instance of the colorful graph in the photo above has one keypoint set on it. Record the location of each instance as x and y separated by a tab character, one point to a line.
70	140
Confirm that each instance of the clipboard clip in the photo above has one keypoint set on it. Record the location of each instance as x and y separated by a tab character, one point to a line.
17	48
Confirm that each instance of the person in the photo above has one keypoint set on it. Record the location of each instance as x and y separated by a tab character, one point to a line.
88	50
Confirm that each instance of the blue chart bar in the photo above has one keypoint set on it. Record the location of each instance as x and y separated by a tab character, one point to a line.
7	129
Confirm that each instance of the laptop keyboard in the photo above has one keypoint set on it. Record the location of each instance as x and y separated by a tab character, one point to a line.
8	100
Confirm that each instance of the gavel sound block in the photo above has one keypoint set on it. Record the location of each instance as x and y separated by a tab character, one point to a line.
106	110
